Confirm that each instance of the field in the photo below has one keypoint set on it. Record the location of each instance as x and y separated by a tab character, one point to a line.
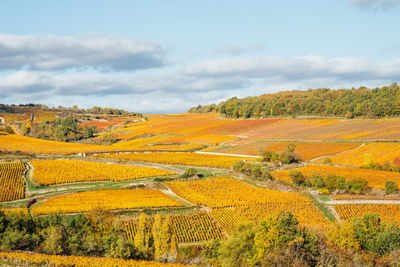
376	179
307	151
25	144
225	195
209	205
191	227
387	212
107	200
11	181
192	159
62	260
365	197
362	155
48	172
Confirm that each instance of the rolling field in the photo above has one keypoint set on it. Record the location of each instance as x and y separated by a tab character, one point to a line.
375	152
107	200
48	172
376	179
227	196
192	227
192	159
387	212
11	181
307	151
63	260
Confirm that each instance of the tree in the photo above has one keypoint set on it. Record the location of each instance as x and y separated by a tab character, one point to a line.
166	239
391	187
53	242
238	250
190	172
142	236
343	236
88	132
173	251
297	177
156	231
9	130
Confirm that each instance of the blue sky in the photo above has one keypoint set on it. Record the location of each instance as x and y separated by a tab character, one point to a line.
166	56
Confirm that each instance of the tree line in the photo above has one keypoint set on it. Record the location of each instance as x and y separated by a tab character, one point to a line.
61	129
96	233
95	110
349	103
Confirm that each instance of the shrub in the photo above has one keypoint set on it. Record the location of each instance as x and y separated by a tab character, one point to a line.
189	173
391	187
356	185
297	178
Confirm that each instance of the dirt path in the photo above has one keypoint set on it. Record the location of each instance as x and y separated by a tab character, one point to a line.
361	201
165	167
225	154
172	194
326	156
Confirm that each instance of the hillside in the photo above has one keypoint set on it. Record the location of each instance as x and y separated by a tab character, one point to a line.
349	103
193	178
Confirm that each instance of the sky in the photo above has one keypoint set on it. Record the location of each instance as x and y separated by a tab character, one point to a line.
166	56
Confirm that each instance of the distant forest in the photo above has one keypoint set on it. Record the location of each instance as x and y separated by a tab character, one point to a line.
349	103
22	108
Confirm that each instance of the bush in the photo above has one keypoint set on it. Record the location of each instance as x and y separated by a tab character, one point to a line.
391	187
297	177
286	157
269	156
255	171
189	173
356	185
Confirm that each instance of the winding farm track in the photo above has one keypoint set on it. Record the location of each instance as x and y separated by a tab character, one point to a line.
362	201
326	156
226	154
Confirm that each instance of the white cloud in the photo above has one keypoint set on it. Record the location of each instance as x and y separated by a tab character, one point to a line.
49	52
375	4
210	81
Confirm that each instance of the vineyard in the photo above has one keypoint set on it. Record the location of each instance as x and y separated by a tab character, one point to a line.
48	172
191	227
376	179
307	151
365	197
226	192
230	217
236	202
193	159
372	152
12	184
15	210
105	199
387	212
78	261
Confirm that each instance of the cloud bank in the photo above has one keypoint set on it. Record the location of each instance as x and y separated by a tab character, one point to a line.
104	53
107	71
375	4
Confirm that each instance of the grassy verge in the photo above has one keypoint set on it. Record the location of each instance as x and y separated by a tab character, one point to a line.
328	214
325	198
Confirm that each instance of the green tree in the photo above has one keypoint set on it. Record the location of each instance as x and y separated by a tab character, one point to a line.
238	250
391	187
297	177
53	240
156	232
142	236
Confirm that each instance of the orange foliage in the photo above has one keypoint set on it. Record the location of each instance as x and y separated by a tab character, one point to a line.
376	179
387	212
106	200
